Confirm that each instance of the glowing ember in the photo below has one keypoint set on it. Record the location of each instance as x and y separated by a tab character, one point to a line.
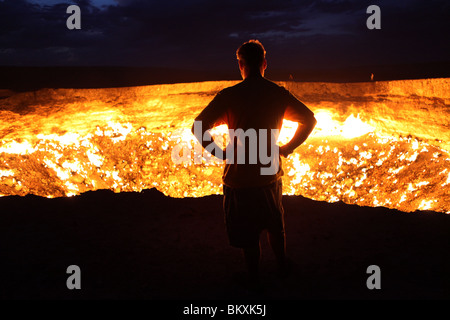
67	147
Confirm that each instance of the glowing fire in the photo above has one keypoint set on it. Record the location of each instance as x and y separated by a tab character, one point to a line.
97	145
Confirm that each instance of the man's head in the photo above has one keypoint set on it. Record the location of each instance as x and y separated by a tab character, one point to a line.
252	58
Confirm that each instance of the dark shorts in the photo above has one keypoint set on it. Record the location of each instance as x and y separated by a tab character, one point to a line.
248	211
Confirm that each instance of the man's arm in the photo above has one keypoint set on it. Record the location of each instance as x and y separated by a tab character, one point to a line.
300	136
298	112
201	132
212	115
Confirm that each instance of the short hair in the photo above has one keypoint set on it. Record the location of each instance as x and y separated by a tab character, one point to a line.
252	53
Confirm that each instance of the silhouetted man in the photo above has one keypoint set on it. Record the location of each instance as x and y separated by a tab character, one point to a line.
253	111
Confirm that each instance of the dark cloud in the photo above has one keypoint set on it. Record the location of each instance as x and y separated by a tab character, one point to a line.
205	34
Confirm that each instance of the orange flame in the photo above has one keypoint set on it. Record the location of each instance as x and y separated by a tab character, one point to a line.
93	145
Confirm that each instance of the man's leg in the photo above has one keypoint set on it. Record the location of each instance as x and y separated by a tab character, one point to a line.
277	241
275	233
252	256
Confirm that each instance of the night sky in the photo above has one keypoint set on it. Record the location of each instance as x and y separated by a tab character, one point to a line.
204	34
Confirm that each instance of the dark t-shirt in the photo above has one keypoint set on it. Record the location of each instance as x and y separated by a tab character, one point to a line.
255	103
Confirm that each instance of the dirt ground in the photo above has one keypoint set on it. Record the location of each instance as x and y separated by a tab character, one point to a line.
152	247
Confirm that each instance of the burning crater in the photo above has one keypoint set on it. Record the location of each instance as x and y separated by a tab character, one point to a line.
375	144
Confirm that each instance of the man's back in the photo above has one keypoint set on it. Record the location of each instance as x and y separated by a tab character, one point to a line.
255	103
255	106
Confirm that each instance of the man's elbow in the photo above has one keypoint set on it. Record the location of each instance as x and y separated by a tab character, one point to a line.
312	122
